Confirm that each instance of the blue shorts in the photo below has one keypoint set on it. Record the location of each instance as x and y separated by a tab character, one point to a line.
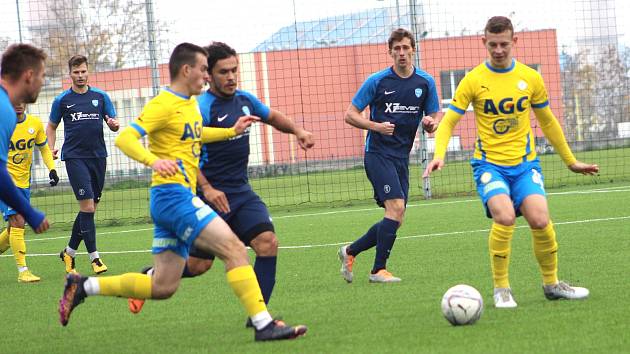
7	210
517	182
179	216
87	177
248	218
389	177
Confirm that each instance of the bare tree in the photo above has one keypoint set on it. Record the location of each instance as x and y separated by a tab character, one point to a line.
111	33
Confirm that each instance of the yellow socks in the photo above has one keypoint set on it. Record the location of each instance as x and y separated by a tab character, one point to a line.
16	239
243	281
134	285
546	250
4	241
499	244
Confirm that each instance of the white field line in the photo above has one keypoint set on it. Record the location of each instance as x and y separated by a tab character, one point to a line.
440	234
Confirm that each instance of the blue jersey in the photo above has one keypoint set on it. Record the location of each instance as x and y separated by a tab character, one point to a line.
83	115
7	124
224	163
400	101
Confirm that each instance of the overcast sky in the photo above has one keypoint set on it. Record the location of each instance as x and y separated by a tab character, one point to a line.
245	23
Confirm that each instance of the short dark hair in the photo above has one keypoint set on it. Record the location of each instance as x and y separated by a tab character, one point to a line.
217	51
398	34
18	58
499	24
76	60
184	53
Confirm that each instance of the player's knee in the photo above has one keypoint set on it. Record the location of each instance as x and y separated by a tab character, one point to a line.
505	218
17	221
538	222
265	244
198	266
395	211
163	291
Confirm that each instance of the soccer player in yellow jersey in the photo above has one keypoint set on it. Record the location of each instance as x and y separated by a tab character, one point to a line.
173	123
506	169
28	133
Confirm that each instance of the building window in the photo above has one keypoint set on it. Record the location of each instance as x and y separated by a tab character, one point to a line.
449	81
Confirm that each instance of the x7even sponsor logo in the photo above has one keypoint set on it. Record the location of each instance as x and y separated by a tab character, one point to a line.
398	108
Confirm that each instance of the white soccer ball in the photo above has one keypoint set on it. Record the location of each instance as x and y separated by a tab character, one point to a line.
462	305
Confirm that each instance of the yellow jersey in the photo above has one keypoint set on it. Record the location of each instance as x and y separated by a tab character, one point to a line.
174	125
502	100
27	134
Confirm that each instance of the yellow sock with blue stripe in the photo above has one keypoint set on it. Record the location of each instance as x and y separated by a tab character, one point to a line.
4	241
134	285
499	243
16	239
546	250
243	281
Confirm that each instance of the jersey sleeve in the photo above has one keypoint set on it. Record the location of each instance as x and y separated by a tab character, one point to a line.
260	109
6	131
154	117
55	111
204	108
109	108
464	95
432	104
40	137
366	93
540	98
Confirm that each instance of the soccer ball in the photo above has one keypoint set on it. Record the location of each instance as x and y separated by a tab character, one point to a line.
462	305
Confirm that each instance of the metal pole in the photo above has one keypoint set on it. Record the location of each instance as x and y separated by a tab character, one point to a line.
424	148
155	74
17	7
398	23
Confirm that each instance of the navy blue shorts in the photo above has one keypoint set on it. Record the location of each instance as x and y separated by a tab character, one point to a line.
248	218
87	177
389	177
518	182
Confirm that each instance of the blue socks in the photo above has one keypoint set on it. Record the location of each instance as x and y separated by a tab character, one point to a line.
365	242
385	238
88	230
76	237
265	269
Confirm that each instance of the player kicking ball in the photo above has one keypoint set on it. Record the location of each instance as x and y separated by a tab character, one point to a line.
173	124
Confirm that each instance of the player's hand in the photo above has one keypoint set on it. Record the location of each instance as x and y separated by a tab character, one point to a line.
165	168
112	123
243	123
305	139
584	168
54	179
55	153
429	124
385	128
436	164
217	198
42	227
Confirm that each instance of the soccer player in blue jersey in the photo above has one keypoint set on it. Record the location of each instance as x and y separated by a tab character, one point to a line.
83	109
22	73
400	98
506	169
28	133
223	180
174	126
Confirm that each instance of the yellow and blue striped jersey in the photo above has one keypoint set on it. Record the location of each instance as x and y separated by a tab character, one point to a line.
502	100
173	124
27	134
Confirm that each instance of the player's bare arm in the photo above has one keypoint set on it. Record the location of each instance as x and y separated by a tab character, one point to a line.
51	135
284	124
244	122
112	123
356	119
217	198
584	168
